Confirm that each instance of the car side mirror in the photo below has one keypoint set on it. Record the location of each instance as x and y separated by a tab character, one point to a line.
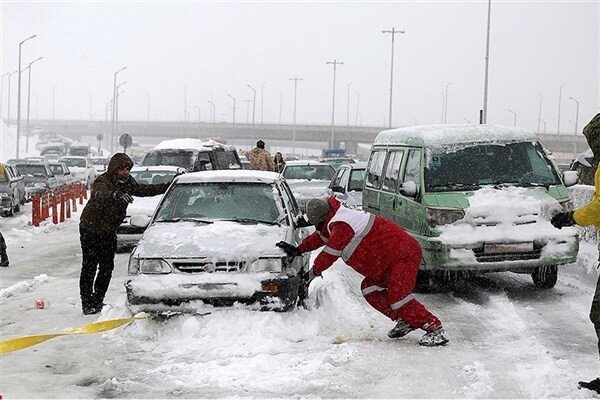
338	189
570	178
409	189
139	220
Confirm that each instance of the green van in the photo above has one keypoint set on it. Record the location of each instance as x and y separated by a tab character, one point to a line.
478	198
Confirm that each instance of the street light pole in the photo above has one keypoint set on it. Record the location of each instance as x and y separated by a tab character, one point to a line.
576	125
393	32
112	132
348	106
295	79
116	107
487	65
253	110
199	114
514	117
334	63
559	103
540	113
213	111
233	119
443	107
19	95
29	103
357	104
446	103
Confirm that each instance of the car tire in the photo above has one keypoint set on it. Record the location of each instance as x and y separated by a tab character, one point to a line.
448	279
422	284
545	277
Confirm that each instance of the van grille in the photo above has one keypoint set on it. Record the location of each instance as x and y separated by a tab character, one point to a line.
517	256
207	266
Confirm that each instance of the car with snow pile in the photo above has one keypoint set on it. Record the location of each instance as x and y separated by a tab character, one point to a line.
478	198
308	179
127	234
211	242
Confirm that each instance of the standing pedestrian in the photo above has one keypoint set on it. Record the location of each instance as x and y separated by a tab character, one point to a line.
3	256
261	159
585	216
279	162
104	212
381	251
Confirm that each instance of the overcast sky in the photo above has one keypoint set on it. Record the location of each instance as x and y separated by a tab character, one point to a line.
221	47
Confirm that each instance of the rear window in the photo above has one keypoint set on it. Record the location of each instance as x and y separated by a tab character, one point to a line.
309	172
182	159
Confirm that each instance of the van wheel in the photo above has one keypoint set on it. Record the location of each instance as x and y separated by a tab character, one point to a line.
545	277
448	279
422	285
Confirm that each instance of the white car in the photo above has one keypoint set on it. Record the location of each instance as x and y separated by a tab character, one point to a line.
212	242
127	235
81	169
308	179
347	184
100	163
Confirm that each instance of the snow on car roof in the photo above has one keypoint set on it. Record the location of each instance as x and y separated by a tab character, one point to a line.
304	162
427	135
229	176
187	143
157	168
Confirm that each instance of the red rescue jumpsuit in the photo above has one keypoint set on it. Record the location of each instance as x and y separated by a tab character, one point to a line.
382	252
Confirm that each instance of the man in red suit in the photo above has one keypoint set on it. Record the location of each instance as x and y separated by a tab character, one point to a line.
382	252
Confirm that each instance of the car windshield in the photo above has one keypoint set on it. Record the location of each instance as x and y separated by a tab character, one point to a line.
248	202
152	177
56	169
320	172
74	162
357	180
470	167
176	158
99	161
34	170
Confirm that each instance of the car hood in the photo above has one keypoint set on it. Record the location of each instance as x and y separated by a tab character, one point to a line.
143	205
221	240
308	188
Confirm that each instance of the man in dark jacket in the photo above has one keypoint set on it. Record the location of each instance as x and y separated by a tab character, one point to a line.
3	256
103	214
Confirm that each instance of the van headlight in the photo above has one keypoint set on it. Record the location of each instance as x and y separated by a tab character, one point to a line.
155	266
443	216
567	205
266	265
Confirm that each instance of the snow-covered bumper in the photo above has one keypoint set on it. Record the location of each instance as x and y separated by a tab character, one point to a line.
505	255
183	292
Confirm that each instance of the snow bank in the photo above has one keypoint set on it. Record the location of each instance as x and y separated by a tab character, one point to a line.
24	286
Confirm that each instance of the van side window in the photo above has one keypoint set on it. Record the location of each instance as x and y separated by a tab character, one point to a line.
392	171
413	167
375	169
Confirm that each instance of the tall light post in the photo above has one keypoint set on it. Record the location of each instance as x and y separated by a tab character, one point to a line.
19	95
233	119
393	32
53	97
280	106
559	103
112	132
487	66
253	110
29	103
357	105
295	79
2	92
540	113
514	117
262	101
213	112
348	105
576	124
334	63
443	107
148	112
446	103
9	75
116	106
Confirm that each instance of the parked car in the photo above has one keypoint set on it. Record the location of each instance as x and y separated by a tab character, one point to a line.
100	164
245	162
81	169
308	179
128	235
35	160
62	173
10	201
347	184
37	178
193	155
14	174
212	242
79	149
337	162
51	157
478	198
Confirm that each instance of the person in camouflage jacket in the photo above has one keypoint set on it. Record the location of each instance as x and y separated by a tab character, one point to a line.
261	159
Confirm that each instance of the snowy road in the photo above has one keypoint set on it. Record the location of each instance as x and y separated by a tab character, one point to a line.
508	340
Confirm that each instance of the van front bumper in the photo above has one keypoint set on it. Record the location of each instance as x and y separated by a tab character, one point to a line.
499	256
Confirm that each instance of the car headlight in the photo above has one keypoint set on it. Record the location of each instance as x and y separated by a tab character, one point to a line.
134	265
567	205
154	267
42	185
266	265
443	216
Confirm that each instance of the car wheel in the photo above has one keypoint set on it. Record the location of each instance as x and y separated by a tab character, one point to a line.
422	285
545	277
448	279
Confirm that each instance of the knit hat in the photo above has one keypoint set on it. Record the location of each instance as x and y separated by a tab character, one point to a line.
317	210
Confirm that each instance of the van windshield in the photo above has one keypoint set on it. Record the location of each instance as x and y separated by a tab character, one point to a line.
473	166
179	158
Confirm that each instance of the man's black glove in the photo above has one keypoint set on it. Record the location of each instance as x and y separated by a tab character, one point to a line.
302	222
562	219
290	249
123	197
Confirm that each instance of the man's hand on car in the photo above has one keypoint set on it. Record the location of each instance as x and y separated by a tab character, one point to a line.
289	249
123	197
562	219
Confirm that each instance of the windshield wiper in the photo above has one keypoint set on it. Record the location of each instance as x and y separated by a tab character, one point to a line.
456	185
249	220
188	219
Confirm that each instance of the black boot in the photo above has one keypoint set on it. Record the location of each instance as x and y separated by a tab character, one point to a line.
591	385
3	259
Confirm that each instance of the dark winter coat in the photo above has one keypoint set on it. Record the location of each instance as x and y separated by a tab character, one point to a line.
103	213
261	160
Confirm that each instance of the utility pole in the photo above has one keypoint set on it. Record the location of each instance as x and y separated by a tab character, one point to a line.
253	112
295	79
334	63
393	32
112	132
487	66
28	104
19	95
213	112
559	101
233	119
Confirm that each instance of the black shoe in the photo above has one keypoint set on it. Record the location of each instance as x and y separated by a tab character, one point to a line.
591	385
400	330
87	310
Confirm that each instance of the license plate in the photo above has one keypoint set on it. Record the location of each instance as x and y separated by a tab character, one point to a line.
507	248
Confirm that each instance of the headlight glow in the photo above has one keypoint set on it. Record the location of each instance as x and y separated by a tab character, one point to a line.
154	267
266	265
443	216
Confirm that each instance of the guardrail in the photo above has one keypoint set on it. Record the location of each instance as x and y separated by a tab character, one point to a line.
57	203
